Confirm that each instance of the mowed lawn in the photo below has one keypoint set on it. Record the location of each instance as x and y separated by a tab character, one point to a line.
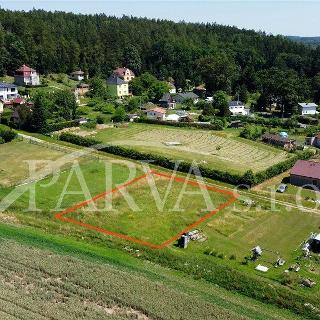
154	209
217	150
14	157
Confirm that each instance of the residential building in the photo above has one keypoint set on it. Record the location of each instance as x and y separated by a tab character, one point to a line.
305	173
308	108
313	141
124	73
118	87
173	118
156	113
26	76
8	91
238	108
1	106
167	101
278	141
83	88
172	88
77	75
182	97
200	91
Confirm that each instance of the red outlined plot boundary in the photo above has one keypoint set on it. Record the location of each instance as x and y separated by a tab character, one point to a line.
63	215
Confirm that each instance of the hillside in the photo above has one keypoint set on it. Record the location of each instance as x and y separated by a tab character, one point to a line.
61	42
312	41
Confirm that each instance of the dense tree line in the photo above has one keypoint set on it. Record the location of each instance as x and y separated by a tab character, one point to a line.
224	58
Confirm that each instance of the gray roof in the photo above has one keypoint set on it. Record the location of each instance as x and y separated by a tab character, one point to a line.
308	105
7	85
114	80
187	95
235	103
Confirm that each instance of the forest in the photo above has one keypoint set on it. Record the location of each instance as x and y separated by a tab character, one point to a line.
222	57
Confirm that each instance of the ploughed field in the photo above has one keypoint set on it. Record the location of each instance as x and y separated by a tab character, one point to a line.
216	150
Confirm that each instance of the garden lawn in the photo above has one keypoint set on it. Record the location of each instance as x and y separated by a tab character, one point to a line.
216	150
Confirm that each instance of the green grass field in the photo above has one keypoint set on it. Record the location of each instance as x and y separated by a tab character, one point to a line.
218	150
233	231
42	276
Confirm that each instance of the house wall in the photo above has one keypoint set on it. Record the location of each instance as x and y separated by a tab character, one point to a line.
123	90
155	115
301	181
33	80
306	111
8	93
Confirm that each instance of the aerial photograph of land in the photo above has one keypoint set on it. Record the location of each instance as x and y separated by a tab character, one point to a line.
159	160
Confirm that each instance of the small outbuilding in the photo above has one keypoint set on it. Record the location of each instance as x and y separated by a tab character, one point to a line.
305	173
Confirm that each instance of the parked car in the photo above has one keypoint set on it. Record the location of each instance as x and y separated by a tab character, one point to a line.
282	188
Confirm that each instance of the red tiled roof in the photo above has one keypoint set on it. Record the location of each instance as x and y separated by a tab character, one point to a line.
25	68
309	169
157	109
122	71
19	100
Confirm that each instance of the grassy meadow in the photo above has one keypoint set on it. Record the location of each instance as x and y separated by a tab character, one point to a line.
219	150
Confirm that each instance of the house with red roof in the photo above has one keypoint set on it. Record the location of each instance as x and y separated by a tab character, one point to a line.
305	173
124	73
26	76
156	113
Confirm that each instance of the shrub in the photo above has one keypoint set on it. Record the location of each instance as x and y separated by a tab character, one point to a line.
100	119
7	134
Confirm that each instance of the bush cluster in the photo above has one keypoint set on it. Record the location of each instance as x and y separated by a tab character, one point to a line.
59	126
6	134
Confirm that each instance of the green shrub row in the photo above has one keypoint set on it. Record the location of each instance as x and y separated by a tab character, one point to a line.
248	178
208	126
59	126
6	134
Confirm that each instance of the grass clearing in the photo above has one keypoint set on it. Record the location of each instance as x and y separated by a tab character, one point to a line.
217	150
42	279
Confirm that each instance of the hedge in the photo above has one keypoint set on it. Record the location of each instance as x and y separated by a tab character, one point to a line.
7	134
248	178
207	126
59	126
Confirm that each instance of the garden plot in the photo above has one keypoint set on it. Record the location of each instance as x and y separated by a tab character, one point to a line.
223	153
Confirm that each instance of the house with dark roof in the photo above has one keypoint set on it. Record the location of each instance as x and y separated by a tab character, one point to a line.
305	173
313	140
124	73
238	108
77	75
279	141
26	76
118	87
308	108
182	97
167	101
8	91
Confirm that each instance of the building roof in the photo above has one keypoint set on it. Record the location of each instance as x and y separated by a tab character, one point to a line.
275	137
171	85
25	68
235	103
186	95
83	85
78	73
4	85
114	80
173	117
158	110
308	105
166	98
121	72
19	101
309	169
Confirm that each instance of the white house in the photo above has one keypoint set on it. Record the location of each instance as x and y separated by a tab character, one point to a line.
156	114
237	108
1	106
172	88
8	91
26	76
308	108
77	75
118	87
173	117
